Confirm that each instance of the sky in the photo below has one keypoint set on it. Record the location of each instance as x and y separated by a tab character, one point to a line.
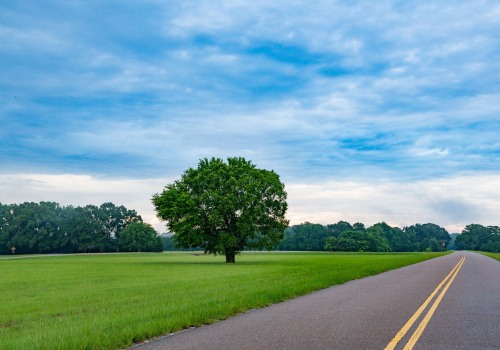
369	111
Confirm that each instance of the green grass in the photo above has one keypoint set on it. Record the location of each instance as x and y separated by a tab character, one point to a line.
112	301
492	255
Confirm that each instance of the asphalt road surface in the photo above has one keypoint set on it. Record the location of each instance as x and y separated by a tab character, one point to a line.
452	302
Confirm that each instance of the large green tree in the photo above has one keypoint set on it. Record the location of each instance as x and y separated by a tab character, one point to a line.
224	207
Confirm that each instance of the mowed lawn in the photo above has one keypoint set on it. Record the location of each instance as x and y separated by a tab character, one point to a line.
111	301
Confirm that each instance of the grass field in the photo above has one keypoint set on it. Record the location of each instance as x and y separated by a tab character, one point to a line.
112	301
492	255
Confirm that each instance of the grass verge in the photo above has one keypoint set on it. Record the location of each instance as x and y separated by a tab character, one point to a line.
112	301
492	255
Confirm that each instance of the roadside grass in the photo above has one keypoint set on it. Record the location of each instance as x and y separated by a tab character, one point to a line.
492	255
113	301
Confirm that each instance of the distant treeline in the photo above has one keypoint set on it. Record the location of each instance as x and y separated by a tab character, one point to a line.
380	237
478	237
47	227
343	236
169	245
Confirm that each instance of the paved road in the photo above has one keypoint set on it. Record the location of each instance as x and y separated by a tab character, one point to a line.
368	313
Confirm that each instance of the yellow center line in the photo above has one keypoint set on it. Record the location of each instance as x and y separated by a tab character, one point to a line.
416	315
418	332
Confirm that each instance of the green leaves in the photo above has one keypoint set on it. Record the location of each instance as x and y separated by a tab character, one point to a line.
380	237
479	237
47	227
223	207
140	237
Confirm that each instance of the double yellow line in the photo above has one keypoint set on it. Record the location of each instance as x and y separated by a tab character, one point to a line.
448	280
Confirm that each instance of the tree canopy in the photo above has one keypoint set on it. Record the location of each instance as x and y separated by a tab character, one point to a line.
140	237
47	227
306	236
380	237
224	207
479	237
429	237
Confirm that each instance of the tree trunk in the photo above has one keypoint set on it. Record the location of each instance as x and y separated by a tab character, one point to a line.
230	258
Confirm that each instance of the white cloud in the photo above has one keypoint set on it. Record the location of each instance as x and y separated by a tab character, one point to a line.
426	152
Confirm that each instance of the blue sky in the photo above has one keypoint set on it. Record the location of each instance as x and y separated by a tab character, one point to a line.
368	110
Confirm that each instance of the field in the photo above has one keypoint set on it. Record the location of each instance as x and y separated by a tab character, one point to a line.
492	255
111	301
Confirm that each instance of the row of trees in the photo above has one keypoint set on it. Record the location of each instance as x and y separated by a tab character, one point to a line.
478	237
47	227
380	237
